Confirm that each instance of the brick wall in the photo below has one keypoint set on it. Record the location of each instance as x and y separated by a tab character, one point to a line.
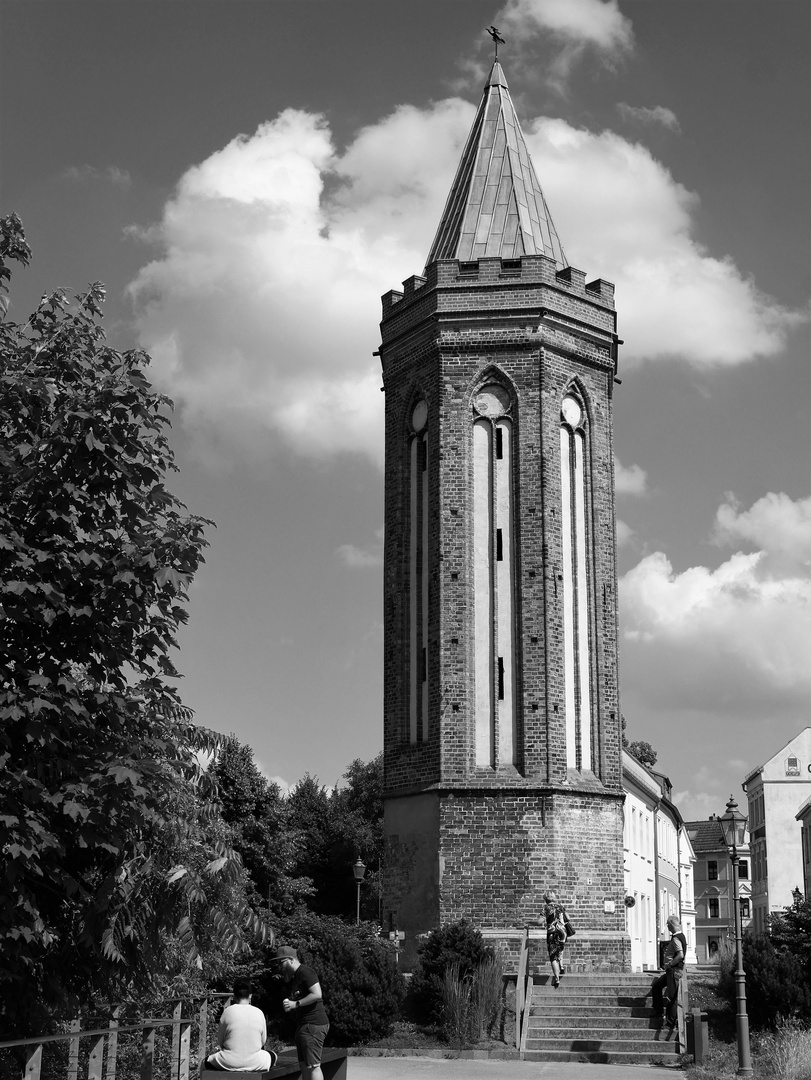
535	330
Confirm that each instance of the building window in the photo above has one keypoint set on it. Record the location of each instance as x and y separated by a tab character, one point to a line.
494	604
744	909
792	766
576	583
713	907
418	574
712	870
743	869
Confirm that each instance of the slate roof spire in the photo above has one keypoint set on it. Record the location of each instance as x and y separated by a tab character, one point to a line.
496	206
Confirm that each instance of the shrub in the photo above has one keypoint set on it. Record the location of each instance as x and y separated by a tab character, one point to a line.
786	1054
776	986
459	944
358	973
471	1004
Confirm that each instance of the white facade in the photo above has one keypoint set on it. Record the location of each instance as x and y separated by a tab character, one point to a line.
658	865
776	792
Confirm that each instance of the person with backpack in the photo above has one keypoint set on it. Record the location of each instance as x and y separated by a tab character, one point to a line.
558	930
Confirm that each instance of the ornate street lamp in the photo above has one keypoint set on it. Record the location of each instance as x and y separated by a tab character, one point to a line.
733	823
359	870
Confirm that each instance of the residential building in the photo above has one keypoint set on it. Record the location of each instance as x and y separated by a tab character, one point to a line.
658	860
713	885
776	792
804	818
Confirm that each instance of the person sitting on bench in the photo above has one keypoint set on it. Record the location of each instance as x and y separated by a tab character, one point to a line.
242	1034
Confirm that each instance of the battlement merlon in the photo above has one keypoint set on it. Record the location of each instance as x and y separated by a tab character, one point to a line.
504	289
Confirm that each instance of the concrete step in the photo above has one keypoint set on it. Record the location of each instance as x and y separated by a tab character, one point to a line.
603	1057
567	1007
585	1000
650	1047
595	1031
572	1020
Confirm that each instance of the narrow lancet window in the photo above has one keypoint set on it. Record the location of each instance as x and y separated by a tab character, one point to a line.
418	575
574	524
494	580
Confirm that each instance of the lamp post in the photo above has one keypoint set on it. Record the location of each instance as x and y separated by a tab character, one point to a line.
358	869
733	823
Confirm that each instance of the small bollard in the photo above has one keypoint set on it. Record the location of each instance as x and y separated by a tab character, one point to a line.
697	1035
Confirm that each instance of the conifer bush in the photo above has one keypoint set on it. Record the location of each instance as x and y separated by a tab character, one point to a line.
357	970
458	945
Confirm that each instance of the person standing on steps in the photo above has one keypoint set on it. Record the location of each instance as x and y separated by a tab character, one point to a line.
670	981
555	915
305	999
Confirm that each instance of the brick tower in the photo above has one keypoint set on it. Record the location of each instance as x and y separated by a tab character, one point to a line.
502	725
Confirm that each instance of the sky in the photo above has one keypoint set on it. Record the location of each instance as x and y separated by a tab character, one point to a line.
248	177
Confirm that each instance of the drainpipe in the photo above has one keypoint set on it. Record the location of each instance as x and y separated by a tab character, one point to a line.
656	806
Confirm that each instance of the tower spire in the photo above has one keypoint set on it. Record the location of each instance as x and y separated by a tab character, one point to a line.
496	206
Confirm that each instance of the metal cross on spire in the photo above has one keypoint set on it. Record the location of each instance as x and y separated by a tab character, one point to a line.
497	38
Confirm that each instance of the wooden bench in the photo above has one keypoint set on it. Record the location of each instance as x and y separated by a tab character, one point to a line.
333	1066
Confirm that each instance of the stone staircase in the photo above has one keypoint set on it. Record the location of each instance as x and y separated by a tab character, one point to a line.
597	1018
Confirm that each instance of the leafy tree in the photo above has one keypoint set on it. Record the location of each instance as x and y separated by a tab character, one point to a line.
102	788
261	828
641	750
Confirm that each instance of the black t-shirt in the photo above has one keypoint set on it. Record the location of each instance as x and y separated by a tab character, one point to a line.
299	986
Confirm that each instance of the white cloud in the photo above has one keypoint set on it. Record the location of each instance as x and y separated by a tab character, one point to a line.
625	534
632	480
261	306
780	527
732	641
623	216
642	115
360	558
111	174
573	27
260	312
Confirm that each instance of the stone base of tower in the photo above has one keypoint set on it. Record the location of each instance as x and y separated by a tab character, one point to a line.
489	854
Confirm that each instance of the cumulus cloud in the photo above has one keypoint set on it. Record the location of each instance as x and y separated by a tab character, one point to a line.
632	480
624	217
733	640
640	114
260	307
574	28
363	557
260	310
778	526
706	652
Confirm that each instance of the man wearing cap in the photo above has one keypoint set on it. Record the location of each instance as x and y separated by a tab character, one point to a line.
305	999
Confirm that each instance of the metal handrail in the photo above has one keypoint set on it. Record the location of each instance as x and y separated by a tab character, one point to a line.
521	986
106	1038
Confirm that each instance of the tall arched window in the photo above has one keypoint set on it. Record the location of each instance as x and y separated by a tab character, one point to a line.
574	523
418	575
494	579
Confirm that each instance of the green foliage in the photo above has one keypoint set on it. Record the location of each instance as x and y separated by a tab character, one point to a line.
107	842
260	823
357	971
790	932
471	1003
459	945
641	750
777	987
333	829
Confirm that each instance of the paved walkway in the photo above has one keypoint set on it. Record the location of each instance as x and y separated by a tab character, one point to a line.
422	1068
